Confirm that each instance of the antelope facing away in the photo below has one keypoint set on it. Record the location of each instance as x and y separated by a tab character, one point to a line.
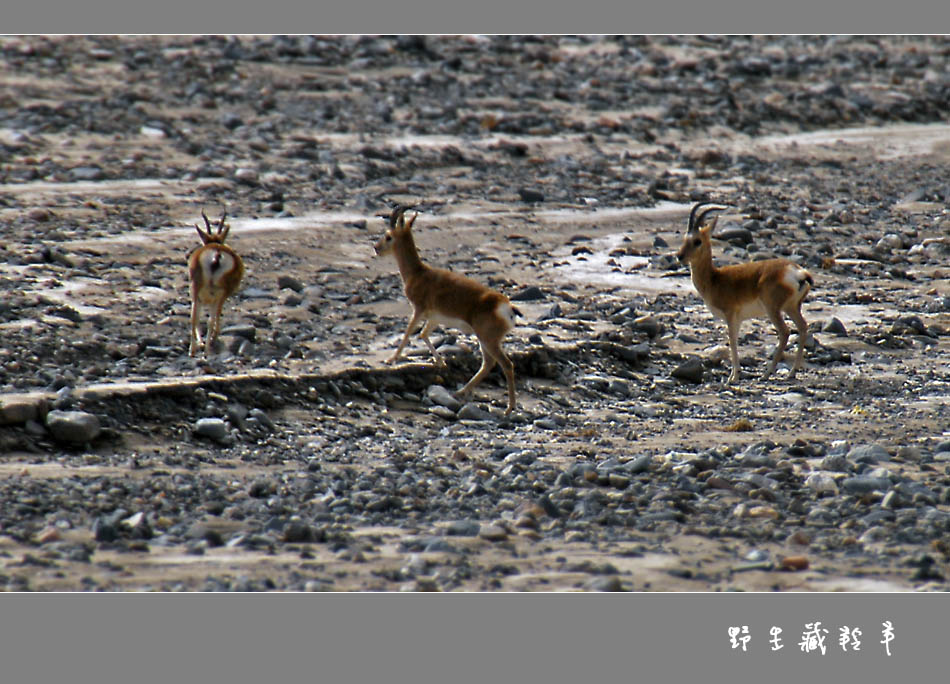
215	271
758	289
441	297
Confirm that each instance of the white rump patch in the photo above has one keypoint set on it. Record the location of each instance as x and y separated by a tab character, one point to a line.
506	311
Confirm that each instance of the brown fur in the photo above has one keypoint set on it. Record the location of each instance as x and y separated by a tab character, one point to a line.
212	292
751	290
436	292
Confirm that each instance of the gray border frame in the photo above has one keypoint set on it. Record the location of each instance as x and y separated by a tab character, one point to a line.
485	16
548	638
470	638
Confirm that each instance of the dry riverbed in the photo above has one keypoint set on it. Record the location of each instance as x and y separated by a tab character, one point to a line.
559	170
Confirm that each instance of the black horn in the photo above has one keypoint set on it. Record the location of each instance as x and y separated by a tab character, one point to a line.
696	217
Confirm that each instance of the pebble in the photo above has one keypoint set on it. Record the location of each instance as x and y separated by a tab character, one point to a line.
834	327
863	484
493	532
247	332
794	563
86	173
290	282
868	453
647	324
528	294
212	428
40	214
463	528
76	427
608	583
15	410
472	411
836	463
822	483
640	464
691	370
443	397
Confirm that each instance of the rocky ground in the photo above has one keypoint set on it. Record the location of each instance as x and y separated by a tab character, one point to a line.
557	169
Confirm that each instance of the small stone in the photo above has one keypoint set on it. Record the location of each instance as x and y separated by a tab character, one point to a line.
463	528
231	120
246	176
288	281
48	534
608	583
212	428
640	464
493	532
39	214
800	538
152	132
864	484
647	324
473	412
298	532
868	453
15	410
691	370
891	501
618	481
86	173
104	531
77	427
835	463
835	327
247	332
528	294
794	563
528	195
443	412
822	483
442	397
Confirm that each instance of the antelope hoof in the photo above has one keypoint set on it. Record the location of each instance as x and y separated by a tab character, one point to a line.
390	360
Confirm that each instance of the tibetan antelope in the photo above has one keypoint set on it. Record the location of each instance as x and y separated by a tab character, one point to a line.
757	289
215	271
441	297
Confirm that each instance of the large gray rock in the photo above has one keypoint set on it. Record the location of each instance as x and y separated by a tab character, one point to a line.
441	396
76	427
212	428
15	410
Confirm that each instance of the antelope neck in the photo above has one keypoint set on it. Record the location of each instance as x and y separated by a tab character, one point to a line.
701	267
407	257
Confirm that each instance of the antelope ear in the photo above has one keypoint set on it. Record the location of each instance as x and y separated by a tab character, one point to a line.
205	237
707	229
412	221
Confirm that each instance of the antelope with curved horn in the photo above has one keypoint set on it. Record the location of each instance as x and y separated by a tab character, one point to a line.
215	271
441	297
758	289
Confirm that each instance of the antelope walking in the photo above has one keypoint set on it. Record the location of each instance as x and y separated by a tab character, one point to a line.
441	297
757	289
215	271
